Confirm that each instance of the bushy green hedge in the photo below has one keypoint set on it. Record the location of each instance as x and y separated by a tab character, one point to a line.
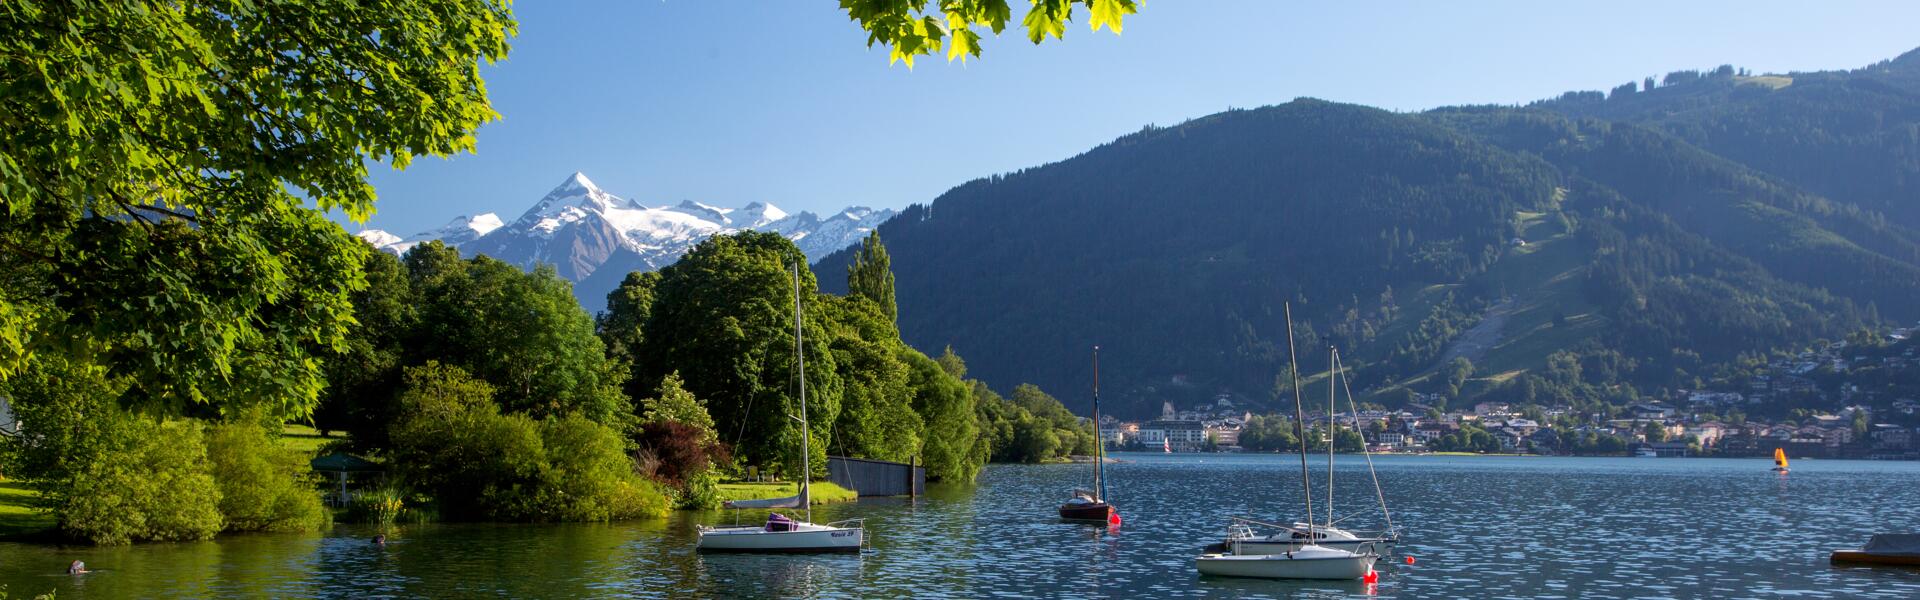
153	485
452	443
263	486
589	476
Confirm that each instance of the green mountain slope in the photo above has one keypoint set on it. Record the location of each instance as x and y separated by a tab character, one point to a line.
1648	261
1853	136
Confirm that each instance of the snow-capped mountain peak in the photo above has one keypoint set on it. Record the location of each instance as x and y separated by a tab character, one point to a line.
595	238
573	199
460	230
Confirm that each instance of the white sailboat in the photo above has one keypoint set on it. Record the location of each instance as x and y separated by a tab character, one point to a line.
781	533
1308	561
1241	538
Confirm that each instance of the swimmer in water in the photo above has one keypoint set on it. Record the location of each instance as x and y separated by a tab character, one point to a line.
380	540
77	568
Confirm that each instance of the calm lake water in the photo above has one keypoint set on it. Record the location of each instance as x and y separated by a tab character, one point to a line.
1480	527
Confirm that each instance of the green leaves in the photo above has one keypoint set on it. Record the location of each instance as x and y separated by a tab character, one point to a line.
162	163
1108	13
909	28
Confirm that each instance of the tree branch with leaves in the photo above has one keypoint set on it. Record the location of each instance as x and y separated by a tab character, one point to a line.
913	28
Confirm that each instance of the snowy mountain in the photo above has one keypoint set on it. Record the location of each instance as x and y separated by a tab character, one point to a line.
460	230
594	238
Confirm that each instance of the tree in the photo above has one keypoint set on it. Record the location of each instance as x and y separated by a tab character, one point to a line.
952	363
672	402
723	317
622	325
871	276
522	332
1655	432
363	381
1033	440
945	404
909	29
1458	372
167	166
878	418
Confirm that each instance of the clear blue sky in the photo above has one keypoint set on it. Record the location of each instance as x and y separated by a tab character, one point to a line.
729	102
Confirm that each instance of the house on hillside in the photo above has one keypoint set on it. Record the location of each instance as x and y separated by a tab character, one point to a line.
1524	426
1651	412
1491	409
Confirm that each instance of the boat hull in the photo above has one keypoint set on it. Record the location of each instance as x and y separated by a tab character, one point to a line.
1094	512
1283	566
759	540
1856	557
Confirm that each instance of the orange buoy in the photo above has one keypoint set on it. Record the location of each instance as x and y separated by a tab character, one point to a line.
1371	577
1409	559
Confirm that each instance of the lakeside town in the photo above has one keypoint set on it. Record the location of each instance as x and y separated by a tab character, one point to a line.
1843	399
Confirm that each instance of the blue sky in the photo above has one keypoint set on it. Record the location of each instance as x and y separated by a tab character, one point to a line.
781	101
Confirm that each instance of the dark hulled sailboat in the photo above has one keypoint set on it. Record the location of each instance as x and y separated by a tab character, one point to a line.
1091	505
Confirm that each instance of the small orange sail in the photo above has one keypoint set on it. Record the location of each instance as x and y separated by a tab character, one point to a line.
1780	458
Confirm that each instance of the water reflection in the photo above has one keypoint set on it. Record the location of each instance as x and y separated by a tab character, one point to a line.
1482	527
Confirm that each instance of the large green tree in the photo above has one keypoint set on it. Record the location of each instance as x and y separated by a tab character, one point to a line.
163	163
522	332
361	381
722	316
871	276
877	418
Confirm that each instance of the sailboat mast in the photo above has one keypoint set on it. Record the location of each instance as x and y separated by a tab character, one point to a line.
1341	368
1333	433
1299	418
806	440
1099	444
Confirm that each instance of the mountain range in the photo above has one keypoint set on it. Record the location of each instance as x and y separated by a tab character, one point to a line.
594	238
1591	246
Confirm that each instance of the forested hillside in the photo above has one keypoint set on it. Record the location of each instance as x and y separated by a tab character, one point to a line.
1853	136
1517	241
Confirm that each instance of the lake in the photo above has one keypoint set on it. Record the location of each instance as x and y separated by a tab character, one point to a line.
1482	527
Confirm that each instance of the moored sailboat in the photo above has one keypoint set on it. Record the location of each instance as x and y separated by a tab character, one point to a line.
782	533
1308	561
1241	538
1091	505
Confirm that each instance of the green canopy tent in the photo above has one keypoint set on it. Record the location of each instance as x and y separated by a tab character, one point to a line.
341	465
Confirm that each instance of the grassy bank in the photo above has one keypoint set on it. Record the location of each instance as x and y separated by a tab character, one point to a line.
18	518
823	492
304	438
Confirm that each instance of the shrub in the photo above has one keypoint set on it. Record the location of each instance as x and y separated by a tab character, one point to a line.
107	475
263	486
678	449
452	443
153	486
589	477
